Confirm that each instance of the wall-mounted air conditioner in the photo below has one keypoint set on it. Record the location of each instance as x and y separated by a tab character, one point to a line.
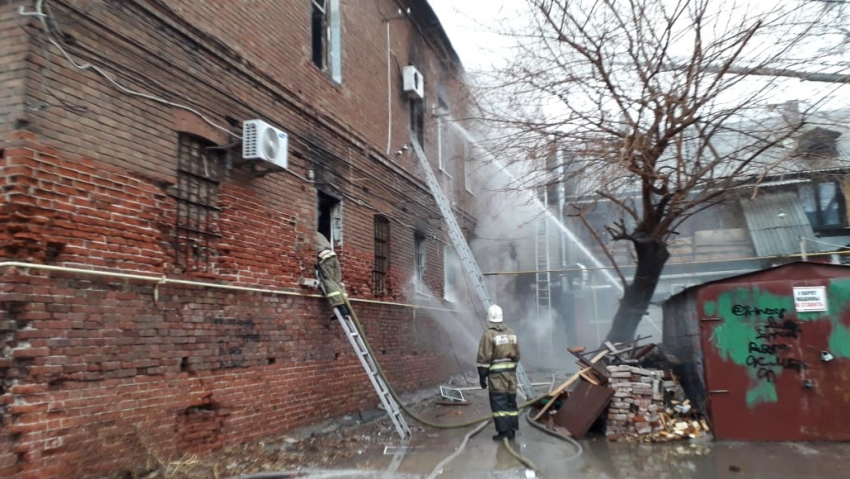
261	141
414	84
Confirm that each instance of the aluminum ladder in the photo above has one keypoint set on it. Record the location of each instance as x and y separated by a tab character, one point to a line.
542	275
470	266
371	368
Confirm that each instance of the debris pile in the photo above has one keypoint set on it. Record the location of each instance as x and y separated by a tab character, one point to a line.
650	405
623	384
637	404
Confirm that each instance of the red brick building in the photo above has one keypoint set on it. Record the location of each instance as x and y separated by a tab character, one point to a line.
140	175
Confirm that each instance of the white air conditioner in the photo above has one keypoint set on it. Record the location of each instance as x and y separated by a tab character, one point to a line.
261	141
414	84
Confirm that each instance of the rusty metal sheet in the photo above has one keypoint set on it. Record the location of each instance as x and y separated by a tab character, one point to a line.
583	407
763	369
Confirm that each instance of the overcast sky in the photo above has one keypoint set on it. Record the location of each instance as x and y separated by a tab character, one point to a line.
471	26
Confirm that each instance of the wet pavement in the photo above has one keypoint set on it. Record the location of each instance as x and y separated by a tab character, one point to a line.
599	459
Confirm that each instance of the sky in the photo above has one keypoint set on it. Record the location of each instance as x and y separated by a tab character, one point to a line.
472	27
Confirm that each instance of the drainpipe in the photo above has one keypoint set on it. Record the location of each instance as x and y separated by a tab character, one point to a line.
803	248
561	205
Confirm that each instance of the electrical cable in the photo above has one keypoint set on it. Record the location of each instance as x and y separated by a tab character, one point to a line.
88	66
145	80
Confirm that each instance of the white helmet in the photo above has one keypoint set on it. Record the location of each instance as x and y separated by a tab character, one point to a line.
494	314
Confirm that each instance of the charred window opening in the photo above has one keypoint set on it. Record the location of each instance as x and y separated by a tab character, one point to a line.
329	218
382	256
419	261
417	120
320	34
196	229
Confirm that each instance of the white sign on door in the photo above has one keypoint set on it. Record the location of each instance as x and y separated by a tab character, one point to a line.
810	298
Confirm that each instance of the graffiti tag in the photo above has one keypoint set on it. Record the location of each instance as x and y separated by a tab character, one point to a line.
742	310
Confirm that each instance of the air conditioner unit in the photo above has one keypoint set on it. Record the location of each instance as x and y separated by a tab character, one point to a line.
261	141
414	84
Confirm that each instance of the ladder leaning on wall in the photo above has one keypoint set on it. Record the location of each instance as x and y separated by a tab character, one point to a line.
470	266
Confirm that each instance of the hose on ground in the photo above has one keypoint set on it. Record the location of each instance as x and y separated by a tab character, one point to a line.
525	462
439	467
398	400
425	422
576	445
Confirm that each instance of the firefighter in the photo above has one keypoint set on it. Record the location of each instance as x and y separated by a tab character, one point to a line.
330	274
498	354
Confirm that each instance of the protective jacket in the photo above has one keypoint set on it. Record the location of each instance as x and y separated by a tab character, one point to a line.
498	351
330	273
498	354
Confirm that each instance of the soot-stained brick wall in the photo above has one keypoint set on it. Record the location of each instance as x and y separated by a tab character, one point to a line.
98	373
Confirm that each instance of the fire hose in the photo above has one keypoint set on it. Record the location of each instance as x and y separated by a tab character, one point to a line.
472	422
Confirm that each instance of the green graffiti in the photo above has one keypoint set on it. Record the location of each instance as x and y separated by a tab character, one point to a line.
763	391
744	312
838	300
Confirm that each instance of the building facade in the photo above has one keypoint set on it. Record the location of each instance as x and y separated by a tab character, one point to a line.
121	131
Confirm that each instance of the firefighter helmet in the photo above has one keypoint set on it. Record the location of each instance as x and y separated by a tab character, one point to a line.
494	314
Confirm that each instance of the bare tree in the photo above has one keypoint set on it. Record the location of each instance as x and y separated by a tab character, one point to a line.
660	108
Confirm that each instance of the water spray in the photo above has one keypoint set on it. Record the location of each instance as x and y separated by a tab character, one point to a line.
536	201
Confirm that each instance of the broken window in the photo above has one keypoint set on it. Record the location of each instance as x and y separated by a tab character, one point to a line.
417	120
824	205
196	229
326	37
329	219
382	256
419	262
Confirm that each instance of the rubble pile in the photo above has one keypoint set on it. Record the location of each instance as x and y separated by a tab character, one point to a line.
637	402
632	388
650	405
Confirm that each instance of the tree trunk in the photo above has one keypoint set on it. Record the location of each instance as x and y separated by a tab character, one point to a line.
651	256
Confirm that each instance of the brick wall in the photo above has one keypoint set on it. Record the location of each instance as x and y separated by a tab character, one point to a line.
13	49
102	375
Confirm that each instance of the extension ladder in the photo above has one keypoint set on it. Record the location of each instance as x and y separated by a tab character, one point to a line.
470	266
543	276
372	371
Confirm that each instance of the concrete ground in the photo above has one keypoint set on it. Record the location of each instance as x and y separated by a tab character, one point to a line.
483	458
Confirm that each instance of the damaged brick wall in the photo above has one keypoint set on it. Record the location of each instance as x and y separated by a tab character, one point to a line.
100	366
103	375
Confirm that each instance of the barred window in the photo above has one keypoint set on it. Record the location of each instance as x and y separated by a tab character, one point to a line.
196	229
382	256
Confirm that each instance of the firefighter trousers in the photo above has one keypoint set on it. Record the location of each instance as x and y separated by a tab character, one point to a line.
505	414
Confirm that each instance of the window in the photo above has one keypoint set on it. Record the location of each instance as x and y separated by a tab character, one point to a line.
824	205
443	137
417	120
467	168
419	262
451	263
382	256
196	229
329	219
327	46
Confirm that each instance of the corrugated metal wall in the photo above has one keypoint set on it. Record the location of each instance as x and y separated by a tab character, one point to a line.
763	369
